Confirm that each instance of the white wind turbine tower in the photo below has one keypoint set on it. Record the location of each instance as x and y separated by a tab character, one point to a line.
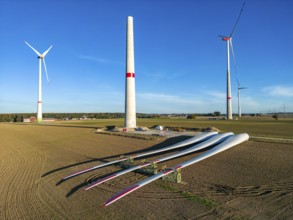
228	39
239	105
130	106
41	58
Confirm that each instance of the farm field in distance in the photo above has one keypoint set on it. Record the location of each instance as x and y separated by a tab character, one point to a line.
267	127
252	180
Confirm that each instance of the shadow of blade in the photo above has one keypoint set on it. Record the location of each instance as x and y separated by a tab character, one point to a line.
163	144
75	189
73	165
87	182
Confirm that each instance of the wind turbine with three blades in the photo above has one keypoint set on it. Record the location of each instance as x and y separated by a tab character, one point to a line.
228	39
41	58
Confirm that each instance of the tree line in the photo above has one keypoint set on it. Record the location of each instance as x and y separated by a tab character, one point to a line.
18	117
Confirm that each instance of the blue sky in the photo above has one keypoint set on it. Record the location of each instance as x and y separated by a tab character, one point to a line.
180	62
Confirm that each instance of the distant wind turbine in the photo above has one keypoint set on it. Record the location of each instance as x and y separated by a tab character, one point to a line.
228	39
41	58
239	105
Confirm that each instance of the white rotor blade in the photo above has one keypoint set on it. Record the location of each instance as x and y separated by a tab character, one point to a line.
238	83
46	70
231	45
237	19
232	50
33	49
45	53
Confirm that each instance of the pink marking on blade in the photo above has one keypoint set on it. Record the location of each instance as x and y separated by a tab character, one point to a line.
177	167
119	195
168	171
145	164
77	173
92	168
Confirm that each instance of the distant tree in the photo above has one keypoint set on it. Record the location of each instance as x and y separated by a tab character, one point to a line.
217	113
193	116
276	116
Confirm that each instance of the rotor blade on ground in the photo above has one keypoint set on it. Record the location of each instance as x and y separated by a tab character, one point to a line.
237	19
46	70
193	140
37	52
93	168
228	143
211	141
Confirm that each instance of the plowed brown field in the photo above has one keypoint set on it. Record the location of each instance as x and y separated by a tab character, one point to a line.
252	180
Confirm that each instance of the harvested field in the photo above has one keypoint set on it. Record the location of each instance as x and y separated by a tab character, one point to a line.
252	180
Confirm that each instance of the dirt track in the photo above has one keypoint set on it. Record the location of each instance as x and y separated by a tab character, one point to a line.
252	180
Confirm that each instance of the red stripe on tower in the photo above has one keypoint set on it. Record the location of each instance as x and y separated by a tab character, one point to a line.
131	75
229	98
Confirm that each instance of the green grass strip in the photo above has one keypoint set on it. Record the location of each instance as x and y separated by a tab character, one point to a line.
205	202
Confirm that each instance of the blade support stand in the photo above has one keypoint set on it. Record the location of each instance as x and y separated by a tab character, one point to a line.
151	169
127	163
174	176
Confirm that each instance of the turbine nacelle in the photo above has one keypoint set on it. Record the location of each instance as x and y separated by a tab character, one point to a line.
42	56
225	38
